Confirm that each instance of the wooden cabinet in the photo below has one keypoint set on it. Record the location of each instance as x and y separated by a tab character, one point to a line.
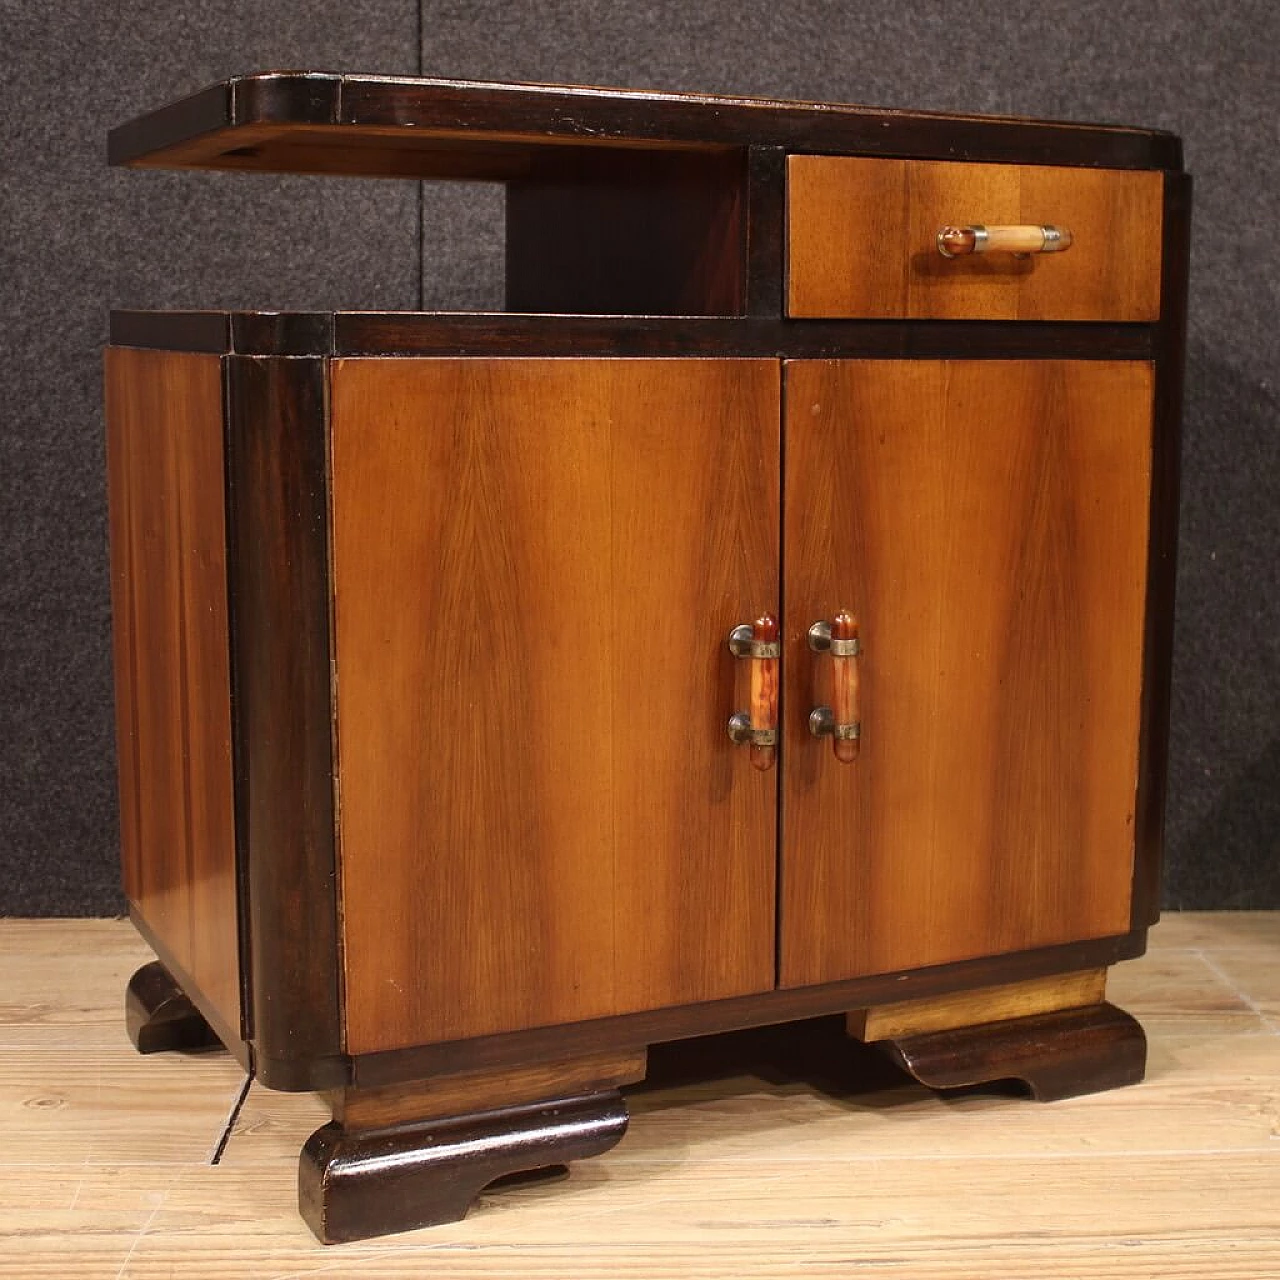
424	675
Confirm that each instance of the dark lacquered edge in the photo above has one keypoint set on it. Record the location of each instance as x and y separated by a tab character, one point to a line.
190	117
1162	554
639	1030
160	1017
352	1185
1057	1055
765	230
592	117
230	1037
282	751
208	331
359	333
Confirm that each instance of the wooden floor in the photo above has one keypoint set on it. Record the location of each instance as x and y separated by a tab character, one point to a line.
819	1166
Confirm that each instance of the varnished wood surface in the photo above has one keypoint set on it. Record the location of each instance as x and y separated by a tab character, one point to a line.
379	126
728	1168
1062	1054
972	1008
861	241
987	522
473	1091
281	666
454	333
170	645
536	564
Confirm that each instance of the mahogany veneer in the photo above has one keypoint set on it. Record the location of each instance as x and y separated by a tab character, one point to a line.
445	789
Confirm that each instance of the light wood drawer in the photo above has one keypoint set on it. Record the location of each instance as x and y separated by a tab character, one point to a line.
861	241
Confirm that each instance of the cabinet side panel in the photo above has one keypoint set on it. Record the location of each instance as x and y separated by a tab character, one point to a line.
173	701
987	522
536	566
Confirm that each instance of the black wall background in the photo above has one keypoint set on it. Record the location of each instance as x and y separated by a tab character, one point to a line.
77	238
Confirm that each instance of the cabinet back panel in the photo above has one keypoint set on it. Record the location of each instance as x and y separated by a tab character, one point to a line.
536	565
170	644
987	522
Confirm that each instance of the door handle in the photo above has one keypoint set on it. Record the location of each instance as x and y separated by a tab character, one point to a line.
758	643
959	242
841	721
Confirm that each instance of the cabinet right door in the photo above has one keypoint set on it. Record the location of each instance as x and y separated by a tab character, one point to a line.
986	521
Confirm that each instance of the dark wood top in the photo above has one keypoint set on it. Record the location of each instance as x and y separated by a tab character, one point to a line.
311	122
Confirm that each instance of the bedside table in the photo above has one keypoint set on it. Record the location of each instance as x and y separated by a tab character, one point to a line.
768	615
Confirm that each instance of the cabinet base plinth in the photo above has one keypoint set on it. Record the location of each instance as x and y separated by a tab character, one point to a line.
1057	1055
159	1017
356	1184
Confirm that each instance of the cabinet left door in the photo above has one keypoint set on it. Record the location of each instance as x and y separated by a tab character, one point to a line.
536	563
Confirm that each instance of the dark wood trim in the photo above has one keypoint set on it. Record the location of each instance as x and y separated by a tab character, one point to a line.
282	715
400	113
353	1184
159	1015
1057	1055
638	1030
192	117
766	230
1162	554
359	333
287	97
205	331
282	333
230	1037
407	333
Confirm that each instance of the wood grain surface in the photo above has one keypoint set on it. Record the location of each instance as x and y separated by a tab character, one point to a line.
987	522
170	645
476	1091
972	1008
860	235
536	566
764	1163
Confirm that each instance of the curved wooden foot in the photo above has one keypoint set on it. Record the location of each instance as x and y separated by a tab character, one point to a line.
158	1015
1057	1055
352	1185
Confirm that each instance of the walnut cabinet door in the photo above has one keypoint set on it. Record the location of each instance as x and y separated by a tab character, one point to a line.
986	524
536	563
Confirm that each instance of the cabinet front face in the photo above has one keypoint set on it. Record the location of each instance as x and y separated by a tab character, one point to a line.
986	521
536	564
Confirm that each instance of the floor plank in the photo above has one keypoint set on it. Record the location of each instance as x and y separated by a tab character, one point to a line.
824	1166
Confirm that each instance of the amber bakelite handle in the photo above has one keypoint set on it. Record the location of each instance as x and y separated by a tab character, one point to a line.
764	693
842	720
959	242
758	726
844	682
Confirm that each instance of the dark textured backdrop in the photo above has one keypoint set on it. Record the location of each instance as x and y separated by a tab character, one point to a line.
79	238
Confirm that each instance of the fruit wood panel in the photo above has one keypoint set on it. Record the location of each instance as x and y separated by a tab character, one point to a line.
861	241
987	522
536	565
170	643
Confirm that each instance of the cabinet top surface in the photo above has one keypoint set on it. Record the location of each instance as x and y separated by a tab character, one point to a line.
314	122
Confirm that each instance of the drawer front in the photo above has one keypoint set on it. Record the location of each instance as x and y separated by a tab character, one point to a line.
862	241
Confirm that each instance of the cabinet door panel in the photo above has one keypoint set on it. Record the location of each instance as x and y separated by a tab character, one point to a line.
536	564
987	522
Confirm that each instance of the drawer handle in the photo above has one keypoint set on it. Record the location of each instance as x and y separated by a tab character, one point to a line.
840	721
959	242
758	727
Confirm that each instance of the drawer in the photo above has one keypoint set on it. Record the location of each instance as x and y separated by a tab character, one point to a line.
862	241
